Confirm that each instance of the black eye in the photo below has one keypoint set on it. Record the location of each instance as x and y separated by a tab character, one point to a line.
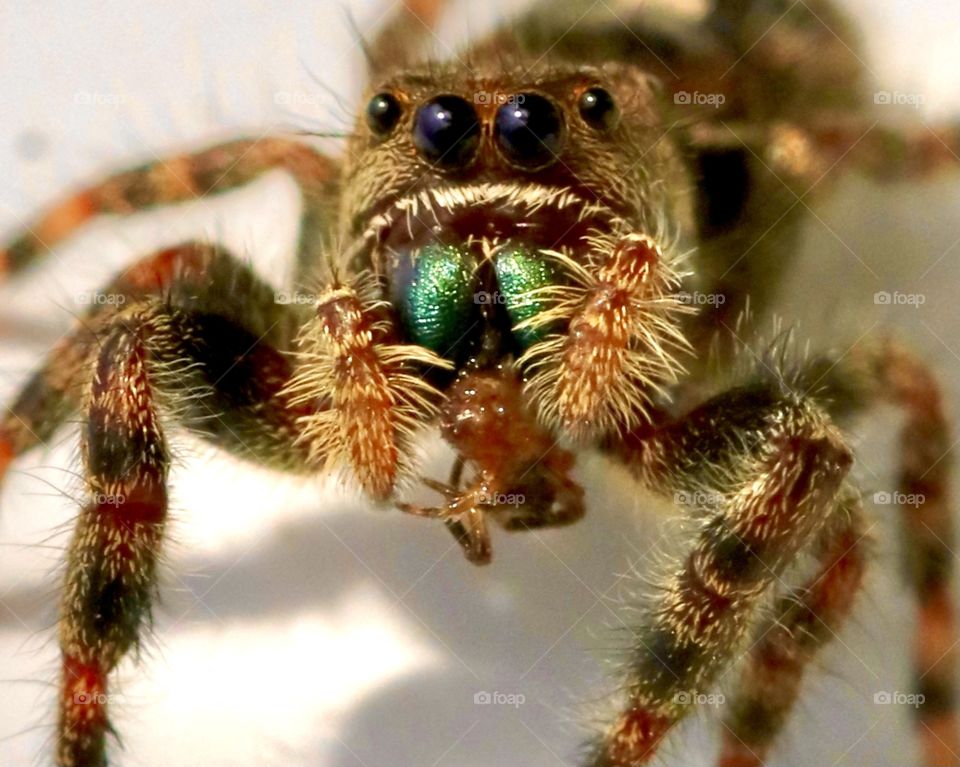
383	113
598	108
446	131
528	129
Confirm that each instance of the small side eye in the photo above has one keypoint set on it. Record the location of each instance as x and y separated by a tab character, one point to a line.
598	108
383	113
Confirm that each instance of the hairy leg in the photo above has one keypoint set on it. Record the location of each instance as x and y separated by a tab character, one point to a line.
762	470
286	385
243	312
159	357
887	371
181	179
804	620
215	378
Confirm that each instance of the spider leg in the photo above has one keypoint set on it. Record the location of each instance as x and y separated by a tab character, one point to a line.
335	393
150	359
112	559
887	371
464	516
216	362
804	621
802	154
181	179
244	311
761	470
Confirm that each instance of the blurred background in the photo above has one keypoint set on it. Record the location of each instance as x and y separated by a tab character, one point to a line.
299	626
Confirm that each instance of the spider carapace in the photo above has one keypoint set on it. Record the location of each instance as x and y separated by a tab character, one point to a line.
513	250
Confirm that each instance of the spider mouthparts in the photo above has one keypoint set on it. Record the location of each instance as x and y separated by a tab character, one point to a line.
483	218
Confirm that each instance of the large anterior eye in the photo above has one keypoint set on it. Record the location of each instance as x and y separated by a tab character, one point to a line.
528	130
519	274
446	131
433	290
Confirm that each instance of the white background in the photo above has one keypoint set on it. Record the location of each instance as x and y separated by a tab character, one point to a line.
299	626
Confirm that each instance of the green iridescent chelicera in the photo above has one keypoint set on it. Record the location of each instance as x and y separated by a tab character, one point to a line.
438	298
518	273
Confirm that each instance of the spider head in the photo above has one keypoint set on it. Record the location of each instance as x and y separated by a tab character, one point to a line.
468	189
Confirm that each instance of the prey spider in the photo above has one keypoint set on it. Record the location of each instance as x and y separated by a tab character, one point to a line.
512	251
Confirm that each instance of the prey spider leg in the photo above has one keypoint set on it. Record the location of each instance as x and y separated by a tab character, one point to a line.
522	477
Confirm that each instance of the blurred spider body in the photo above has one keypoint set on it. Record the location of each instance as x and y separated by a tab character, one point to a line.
510	252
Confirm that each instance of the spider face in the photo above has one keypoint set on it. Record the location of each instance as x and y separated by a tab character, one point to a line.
458	184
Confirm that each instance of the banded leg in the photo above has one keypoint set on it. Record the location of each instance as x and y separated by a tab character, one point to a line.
56	391
147	357
762	471
111	567
805	620
886	371
181	179
45	402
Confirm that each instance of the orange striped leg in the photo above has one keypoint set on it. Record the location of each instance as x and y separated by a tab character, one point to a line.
55	391
930	542
886	371
112	558
806	620
45	402
180	179
761	473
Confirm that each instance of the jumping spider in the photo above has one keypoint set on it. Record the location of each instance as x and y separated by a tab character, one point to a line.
507	252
